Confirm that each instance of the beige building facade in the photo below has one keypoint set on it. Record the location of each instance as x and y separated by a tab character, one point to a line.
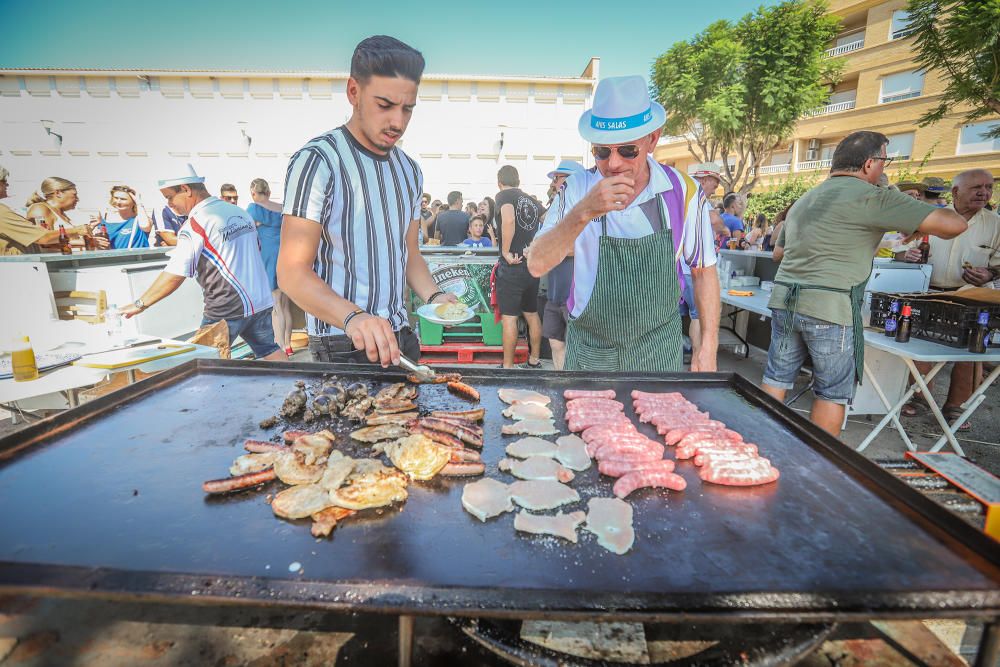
881	89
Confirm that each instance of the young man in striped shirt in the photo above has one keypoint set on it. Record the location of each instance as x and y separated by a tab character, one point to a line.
349	239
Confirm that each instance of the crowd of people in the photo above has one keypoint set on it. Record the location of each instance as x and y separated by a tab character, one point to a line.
627	247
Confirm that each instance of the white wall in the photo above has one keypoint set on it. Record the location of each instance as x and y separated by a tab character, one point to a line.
120	127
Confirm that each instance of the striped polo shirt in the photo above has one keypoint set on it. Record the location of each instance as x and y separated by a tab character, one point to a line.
365	202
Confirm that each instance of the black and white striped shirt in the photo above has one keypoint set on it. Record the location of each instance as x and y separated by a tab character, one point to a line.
365	203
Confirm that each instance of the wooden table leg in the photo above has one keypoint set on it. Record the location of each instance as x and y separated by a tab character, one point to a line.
405	641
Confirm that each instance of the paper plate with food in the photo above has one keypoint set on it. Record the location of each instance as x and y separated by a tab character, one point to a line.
446	313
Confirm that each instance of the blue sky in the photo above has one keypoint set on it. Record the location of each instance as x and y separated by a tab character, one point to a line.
516	37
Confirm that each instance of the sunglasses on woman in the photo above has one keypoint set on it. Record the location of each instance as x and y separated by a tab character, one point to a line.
627	151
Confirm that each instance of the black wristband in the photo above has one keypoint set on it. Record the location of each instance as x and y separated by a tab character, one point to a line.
431	298
350	317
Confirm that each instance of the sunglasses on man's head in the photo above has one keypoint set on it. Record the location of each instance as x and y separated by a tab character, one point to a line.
627	151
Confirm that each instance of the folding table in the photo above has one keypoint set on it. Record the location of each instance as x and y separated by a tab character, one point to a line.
922	350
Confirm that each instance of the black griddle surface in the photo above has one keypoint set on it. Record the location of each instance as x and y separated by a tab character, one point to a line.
119	496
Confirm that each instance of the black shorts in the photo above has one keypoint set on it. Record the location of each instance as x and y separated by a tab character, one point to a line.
340	349
517	290
554	322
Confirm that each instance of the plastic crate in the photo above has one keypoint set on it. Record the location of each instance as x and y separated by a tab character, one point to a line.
482	329
947	320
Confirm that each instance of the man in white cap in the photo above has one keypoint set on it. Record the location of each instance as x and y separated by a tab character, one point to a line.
709	176
559	175
350	233
218	246
629	221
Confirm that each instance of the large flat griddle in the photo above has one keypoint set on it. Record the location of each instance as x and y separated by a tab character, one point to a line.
106	499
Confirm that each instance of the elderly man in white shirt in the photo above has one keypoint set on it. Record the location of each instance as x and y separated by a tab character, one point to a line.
630	221
971	258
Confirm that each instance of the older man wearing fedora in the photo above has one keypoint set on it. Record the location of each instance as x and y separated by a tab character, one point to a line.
218	246
629	221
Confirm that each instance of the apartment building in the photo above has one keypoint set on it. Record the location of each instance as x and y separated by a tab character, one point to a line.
881	89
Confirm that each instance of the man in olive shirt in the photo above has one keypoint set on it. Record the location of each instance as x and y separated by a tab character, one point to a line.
18	236
830	237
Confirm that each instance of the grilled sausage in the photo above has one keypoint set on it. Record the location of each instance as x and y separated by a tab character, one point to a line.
460	432
471	415
570	394
462	469
260	446
238	482
465	456
439	437
463	390
475	428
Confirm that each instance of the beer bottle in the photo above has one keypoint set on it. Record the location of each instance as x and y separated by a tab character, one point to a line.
979	337
903	329
892	319
64	245
925	249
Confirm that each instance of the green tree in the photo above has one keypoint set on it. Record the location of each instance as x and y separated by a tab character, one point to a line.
735	91
772	202
960	40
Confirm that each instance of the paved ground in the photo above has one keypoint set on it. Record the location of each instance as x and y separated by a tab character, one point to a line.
36	632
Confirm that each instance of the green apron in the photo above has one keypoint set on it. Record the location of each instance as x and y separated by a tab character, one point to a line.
857	296
631	322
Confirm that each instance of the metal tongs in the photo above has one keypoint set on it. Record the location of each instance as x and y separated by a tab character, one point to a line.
421	371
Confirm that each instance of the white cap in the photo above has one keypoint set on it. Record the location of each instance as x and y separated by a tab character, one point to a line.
705	169
186	179
567	167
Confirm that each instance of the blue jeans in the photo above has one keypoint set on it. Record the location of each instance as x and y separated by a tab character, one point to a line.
829	345
256	330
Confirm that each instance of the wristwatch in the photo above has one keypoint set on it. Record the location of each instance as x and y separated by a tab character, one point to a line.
139	304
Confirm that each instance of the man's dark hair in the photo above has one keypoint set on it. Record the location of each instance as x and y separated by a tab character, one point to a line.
728	200
856	149
426	197
454	197
386	56
227	187
507	176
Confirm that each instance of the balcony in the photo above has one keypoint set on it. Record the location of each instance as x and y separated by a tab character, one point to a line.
774	169
886	99
832	108
901	33
813	165
845	48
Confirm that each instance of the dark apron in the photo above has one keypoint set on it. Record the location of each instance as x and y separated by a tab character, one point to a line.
631	322
857	296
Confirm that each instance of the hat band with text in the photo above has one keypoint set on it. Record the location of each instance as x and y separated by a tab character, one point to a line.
627	123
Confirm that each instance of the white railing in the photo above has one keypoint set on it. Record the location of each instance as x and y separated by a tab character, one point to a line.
813	165
901	96
833	108
775	169
845	48
901	33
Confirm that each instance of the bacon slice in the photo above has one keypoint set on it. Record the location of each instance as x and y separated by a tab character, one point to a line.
638	479
619	467
570	394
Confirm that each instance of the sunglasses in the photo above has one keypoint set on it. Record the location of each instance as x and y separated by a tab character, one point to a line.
627	151
232	198
885	159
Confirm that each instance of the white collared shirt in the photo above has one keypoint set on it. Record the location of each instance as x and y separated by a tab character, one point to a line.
979	246
630	223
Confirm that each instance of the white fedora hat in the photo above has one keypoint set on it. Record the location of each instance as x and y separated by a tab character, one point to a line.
187	177
566	167
622	112
705	169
